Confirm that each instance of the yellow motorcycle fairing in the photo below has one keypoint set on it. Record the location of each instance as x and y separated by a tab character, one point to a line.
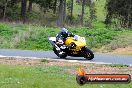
79	43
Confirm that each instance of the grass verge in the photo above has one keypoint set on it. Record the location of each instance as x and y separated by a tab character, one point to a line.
19	36
36	74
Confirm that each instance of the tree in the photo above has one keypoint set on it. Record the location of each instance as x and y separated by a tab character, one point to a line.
64	12
55	2
92	10
82	14
8	9
120	12
30	6
71	12
61	13
5	8
23	10
46	5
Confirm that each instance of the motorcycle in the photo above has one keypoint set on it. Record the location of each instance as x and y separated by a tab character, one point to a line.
73	46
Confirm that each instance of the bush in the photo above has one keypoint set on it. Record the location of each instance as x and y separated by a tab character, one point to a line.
36	37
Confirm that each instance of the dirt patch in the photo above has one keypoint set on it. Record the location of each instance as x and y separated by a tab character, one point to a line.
120	51
14	61
126	51
71	67
31	62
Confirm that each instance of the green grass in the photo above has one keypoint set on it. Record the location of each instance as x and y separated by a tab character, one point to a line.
44	77
121	41
29	37
44	60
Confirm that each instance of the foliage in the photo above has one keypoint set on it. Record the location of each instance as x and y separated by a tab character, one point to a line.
121	41
44	10
45	4
11	9
5	31
120	10
36	37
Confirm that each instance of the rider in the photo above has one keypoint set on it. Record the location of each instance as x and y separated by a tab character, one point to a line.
64	34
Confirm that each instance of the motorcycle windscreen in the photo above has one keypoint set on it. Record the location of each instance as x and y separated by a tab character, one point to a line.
52	38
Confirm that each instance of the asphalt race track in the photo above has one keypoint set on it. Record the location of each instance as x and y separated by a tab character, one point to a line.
99	58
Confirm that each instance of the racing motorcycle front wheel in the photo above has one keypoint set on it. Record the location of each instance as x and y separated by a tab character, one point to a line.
88	54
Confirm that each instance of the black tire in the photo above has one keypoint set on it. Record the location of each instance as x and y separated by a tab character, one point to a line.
88	54
81	80
64	55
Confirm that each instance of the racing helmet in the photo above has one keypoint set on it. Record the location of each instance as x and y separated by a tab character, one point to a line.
64	32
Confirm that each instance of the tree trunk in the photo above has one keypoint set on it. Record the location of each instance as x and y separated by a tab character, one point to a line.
30	6
60	14
92	10
82	15
23	10
71	9
54	11
130	17
4	10
64	11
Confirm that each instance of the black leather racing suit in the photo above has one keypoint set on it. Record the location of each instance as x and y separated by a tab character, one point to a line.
63	37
